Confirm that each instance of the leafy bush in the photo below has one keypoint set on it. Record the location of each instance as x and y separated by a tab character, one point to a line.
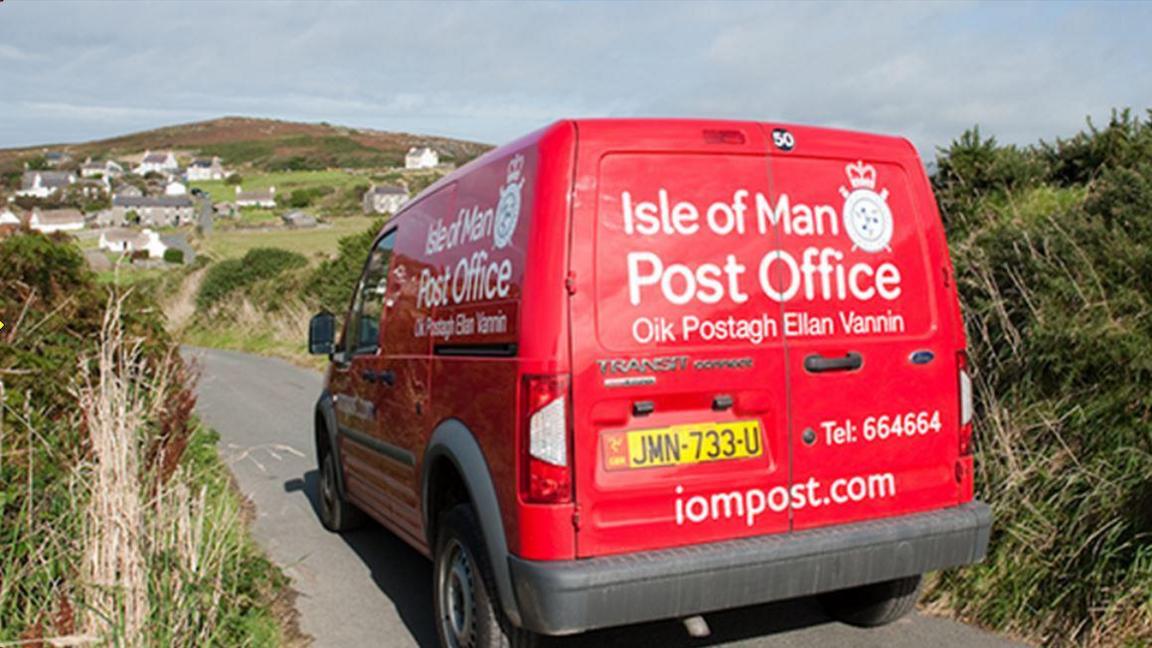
54	364
1055	273
334	280
174	255
300	198
230	275
234	179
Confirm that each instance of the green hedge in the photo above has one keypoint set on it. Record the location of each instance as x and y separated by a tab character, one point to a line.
231	275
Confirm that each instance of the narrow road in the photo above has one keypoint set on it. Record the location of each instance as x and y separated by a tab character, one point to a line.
368	588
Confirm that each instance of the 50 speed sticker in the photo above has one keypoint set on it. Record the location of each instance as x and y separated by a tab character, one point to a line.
904	425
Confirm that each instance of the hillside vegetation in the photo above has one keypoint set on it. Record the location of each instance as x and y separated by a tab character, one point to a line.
1053	252
266	144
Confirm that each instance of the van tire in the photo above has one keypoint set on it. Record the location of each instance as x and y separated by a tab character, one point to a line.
461	573
336	513
873	605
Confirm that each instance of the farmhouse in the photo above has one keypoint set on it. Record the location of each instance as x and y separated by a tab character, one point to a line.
42	184
206	169
101	169
421	157
153	211
175	188
48	221
258	198
160	162
384	199
129	241
10	221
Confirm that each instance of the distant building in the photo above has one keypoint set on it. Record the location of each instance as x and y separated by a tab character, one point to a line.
153	211
299	220
421	157
129	191
384	199
10	221
206	169
225	209
161	162
56	220
9	217
101	169
259	198
125	241
42	184
175	188
56	158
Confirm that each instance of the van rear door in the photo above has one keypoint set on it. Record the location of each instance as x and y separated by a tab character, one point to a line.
679	389
863	277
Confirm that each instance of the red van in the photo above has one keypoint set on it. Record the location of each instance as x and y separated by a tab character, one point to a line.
624	370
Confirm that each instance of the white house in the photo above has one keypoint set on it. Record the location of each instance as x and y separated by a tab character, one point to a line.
127	241
421	157
56	220
9	217
175	188
101	169
259	198
164	162
384	199
206	169
41	184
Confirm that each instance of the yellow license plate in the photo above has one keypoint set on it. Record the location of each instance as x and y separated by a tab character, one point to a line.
682	444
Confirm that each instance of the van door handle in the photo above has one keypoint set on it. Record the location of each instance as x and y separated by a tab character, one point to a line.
388	377
817	363
368	375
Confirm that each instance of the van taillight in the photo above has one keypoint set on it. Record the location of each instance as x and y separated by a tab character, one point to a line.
965	404
546	471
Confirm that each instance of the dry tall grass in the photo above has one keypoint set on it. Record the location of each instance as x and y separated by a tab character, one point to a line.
114	398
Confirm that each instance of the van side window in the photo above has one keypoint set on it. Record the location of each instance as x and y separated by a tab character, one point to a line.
363	332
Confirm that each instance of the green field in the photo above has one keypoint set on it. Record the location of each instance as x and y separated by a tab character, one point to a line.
284	181
321	241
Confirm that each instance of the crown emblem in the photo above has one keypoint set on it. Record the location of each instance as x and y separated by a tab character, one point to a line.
860	175
515	169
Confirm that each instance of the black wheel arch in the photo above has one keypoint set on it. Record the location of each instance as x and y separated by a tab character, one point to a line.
324	431
453	459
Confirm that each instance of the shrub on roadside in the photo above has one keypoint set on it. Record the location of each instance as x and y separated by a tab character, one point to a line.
332	282
1056	281
231	275
116	517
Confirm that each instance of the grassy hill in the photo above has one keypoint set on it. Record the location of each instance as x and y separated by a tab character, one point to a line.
265	144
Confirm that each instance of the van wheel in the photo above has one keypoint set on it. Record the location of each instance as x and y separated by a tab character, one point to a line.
336	513
873	605
468	613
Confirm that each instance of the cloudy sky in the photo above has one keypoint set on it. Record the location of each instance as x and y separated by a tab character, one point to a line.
489	72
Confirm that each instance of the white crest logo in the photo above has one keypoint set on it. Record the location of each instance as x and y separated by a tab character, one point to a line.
866	215
508	209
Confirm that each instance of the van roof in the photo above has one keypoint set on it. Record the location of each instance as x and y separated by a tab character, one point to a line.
628	129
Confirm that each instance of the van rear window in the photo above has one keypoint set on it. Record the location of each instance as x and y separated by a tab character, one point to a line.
706	250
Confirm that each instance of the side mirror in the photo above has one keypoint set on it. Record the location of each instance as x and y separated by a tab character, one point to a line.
322	334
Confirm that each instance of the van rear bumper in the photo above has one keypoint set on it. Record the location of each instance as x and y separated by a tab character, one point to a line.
564	597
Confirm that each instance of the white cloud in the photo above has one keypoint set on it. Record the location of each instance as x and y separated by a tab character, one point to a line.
493	71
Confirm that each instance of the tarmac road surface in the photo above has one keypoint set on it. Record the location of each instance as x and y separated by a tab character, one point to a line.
367	588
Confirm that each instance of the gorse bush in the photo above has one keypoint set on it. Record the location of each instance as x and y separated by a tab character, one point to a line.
1053	253
230	275
332	283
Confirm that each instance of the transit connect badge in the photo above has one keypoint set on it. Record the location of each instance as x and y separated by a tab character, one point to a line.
508	209
867	218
